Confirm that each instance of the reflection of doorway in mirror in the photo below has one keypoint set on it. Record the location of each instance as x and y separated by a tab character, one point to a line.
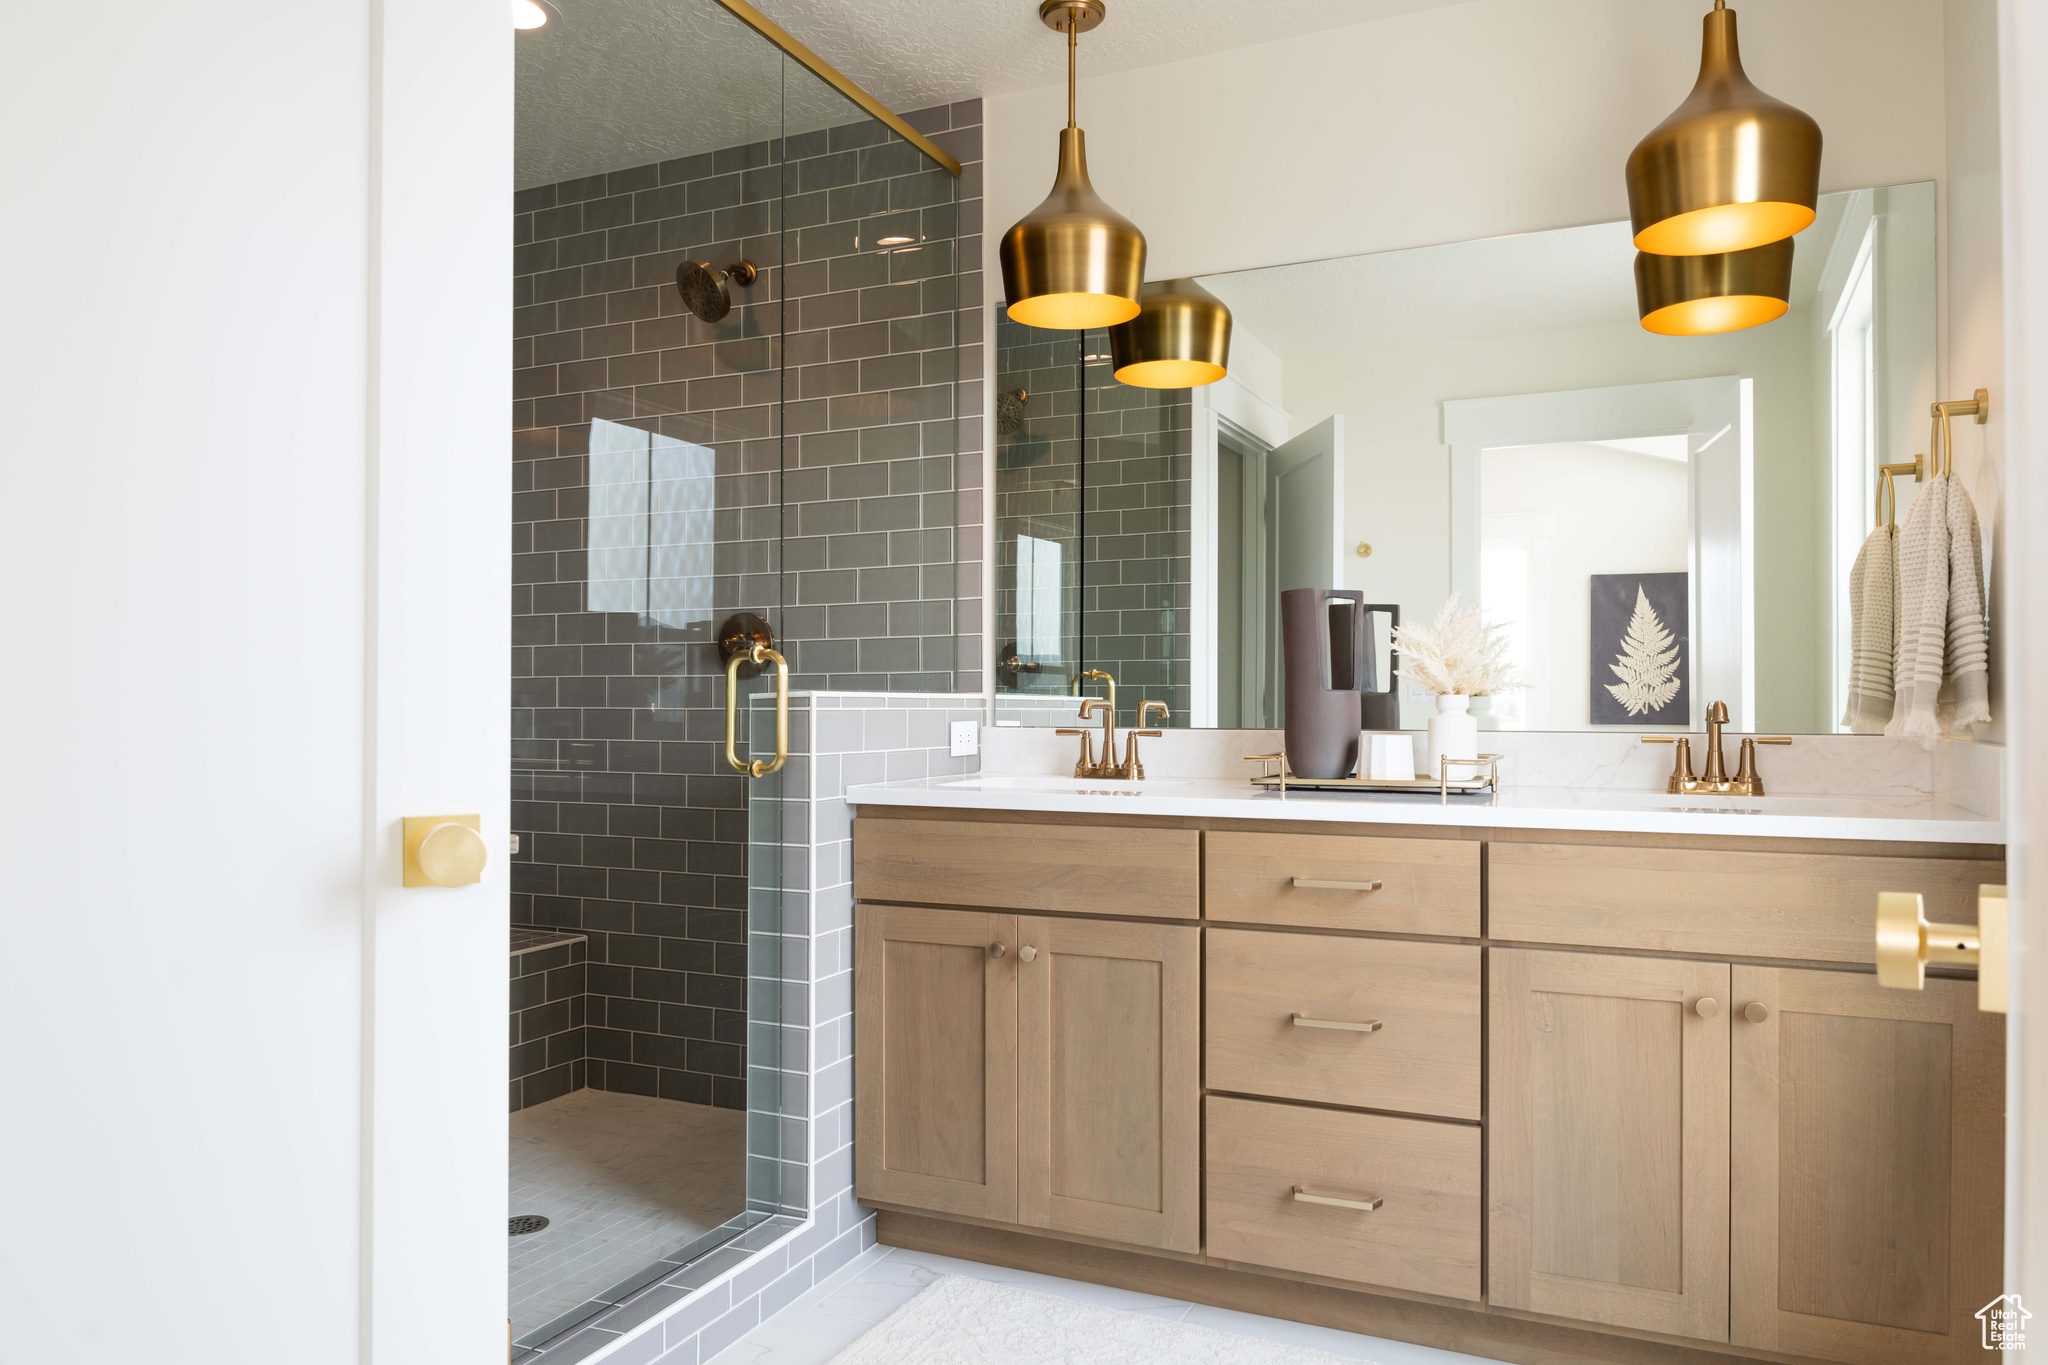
1549	489
1553	518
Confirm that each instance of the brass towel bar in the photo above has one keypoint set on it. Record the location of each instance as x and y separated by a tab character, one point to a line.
1940	458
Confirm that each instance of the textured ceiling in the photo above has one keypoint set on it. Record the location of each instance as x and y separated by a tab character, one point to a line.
913	53
1464	291
618	83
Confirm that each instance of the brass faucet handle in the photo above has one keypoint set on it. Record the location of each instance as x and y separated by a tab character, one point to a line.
1133	769
1681	767
1773	739
1085	765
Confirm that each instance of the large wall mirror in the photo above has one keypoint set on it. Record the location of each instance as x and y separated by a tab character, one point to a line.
1488	419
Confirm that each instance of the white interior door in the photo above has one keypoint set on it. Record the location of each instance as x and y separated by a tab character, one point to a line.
1305	526
1723	550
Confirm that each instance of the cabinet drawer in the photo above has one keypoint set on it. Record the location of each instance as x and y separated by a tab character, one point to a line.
1425	886
1105	870
1423	1058
1422	1236
1813	906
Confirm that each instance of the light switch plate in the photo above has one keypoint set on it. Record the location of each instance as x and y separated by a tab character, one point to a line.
966	738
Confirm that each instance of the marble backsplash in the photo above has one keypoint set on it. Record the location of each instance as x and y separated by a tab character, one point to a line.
1964	774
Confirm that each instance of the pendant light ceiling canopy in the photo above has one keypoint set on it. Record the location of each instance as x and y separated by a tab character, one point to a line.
1179	340
1731	168
1073	262
1689	296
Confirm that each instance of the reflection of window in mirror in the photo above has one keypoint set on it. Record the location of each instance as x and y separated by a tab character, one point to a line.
1038	610
1853	372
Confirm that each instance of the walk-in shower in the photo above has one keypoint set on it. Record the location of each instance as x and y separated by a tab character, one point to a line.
736	391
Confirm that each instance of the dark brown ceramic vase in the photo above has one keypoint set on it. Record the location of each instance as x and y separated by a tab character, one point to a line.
1323	646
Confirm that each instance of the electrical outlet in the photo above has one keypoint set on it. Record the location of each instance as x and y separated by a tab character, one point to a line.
966	738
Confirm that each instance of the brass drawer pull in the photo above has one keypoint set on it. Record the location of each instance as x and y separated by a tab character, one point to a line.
1311	884
1303	1021
996	951
1365	1205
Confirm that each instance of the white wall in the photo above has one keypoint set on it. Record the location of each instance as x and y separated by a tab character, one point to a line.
1469	121
187	844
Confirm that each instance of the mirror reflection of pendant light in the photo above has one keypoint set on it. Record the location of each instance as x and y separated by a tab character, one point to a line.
1179	340
1731	168
1073	262
1690	296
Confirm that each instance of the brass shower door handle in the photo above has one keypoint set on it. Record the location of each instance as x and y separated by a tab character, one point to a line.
759	654
1907	942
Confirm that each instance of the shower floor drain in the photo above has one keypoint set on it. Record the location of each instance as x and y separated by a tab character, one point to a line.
523	1224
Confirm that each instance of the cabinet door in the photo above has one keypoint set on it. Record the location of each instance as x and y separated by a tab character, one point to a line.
1608	1140
1109	1085
1868	1154
935	1064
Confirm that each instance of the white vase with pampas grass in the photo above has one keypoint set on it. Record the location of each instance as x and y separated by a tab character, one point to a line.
1457	656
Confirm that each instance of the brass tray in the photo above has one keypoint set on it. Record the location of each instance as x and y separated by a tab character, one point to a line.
1443	784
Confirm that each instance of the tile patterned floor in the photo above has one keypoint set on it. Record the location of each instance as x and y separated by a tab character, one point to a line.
826	1321
623	1180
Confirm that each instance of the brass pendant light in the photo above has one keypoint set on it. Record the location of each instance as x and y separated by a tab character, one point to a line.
1179	340
1690	296
1731	168
1073	262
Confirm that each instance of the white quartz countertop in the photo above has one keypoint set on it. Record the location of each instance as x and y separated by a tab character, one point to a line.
1895	818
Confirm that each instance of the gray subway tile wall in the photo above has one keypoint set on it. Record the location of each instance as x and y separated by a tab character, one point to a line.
816	456
1098	476
548	1015
836	740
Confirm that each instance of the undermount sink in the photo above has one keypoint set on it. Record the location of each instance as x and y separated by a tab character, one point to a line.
1078	786
1707	803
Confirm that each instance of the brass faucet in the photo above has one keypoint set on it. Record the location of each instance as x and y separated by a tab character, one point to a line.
1715	780
1087	766
1130	769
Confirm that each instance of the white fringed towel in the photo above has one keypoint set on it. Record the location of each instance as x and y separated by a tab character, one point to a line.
1964	701
1942	679
1873	632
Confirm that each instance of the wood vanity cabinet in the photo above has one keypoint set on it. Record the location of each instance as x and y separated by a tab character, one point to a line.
1866	1140
1608	1150
1054	1085
1811	1170
1529	1096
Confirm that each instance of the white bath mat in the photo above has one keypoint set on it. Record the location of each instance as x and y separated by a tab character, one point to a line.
959	1320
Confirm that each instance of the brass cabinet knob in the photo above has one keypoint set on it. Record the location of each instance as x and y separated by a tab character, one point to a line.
1028	953
1706	1007
1756	1011
996	951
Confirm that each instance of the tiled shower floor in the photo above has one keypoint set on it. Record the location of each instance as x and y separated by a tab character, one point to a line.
624	1180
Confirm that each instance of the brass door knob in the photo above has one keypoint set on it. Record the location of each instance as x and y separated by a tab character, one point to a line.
1028	953
1756	1011
1907	942
442	850
1706	1007
996	951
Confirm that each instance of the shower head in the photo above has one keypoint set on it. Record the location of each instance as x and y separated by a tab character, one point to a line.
704	289
1010	410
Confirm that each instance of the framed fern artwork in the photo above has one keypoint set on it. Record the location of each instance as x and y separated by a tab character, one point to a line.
1642	649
